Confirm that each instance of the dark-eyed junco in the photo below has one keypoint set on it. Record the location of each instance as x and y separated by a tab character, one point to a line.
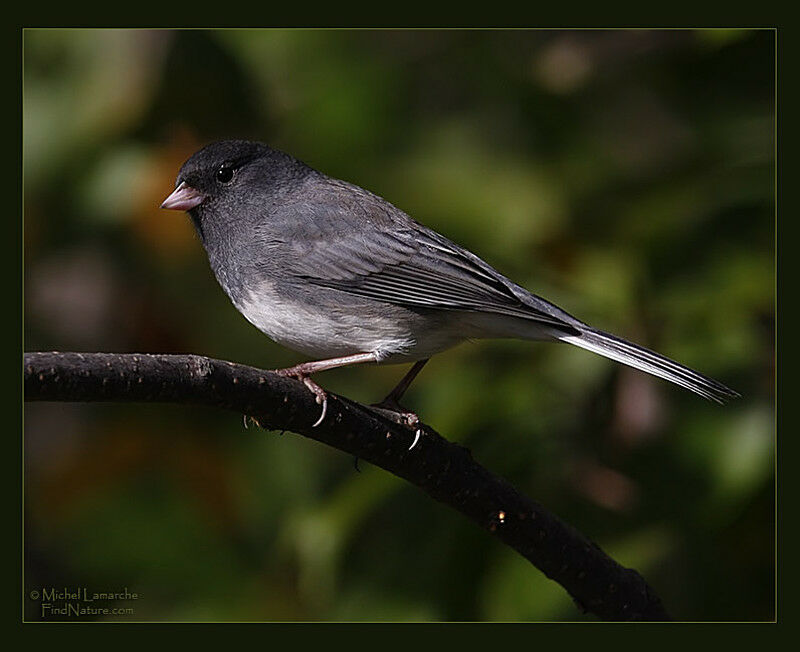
335	272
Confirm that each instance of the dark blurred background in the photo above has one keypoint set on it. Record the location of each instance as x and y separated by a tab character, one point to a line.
628	176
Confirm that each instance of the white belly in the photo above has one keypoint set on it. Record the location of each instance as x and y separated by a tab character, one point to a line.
333	332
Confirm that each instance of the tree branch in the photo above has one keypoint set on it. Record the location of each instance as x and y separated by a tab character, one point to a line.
443	470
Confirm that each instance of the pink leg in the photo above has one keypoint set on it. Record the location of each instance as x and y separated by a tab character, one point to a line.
304	370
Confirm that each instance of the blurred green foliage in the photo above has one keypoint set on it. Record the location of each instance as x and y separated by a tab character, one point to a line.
626	175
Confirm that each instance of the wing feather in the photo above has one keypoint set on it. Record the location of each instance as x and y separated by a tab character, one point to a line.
356	242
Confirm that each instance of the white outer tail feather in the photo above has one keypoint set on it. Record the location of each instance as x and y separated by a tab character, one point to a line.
650	362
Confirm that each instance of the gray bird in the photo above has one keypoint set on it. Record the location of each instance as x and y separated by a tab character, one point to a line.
333	271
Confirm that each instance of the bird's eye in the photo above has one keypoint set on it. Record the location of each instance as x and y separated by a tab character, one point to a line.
225	174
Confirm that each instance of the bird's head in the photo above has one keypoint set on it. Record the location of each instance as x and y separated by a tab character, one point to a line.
228	174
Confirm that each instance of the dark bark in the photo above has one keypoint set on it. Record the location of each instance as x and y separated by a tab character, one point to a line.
443	470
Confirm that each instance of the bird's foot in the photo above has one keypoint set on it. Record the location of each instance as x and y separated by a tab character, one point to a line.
399	413
301	373
246	418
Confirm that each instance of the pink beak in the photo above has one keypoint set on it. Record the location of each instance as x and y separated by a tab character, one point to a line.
183	198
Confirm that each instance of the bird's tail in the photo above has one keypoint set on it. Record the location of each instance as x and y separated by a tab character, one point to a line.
643	359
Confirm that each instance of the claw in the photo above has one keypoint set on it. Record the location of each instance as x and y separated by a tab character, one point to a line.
417	435
324	411
322	397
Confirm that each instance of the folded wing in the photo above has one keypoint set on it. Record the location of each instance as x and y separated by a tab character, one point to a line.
412	266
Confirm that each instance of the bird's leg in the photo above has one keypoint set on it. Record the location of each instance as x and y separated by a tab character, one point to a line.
304	370
392	400
397	393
